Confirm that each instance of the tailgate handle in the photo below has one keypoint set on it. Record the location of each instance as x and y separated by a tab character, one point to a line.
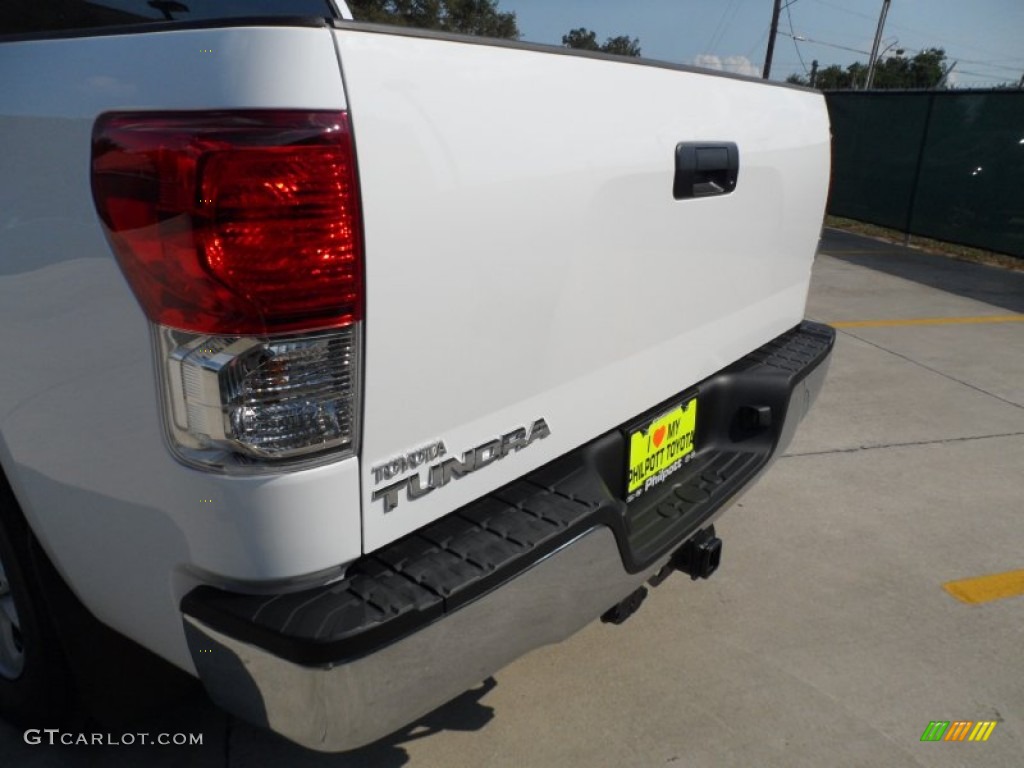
705	168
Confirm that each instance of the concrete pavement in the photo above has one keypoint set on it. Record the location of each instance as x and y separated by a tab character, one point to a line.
826	639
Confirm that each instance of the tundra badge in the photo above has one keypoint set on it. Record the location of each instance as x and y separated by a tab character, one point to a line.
444	470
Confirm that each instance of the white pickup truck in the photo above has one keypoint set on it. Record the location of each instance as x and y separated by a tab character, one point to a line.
343	364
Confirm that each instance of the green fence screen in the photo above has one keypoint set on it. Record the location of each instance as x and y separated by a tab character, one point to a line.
942	164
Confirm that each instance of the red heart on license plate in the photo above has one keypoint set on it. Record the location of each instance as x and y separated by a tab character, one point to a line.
659	435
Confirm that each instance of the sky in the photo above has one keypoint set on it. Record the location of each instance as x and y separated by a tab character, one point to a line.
984	37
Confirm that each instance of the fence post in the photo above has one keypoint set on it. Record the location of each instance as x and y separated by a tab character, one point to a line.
917	169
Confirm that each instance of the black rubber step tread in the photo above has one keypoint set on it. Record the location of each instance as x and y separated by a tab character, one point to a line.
447	529
370	602
287	611
440	571
363	603
552	507
517	493
556	508
405	584
473	543
794	351
417	579
523	530
571	480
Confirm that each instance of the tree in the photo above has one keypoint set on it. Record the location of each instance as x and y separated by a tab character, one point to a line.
925	70
623	45
586	40
470	17
582	39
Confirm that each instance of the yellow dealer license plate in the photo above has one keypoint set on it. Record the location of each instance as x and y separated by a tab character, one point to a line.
660	448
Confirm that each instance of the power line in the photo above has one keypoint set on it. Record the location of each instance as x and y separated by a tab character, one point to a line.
757	45
804	39
929	35
723	24
990	76
992	66
923	33
987	77
792	34
845	10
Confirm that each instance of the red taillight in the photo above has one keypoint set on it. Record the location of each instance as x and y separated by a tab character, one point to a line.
233	222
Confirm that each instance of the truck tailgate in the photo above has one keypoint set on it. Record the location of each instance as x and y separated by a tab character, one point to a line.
526	258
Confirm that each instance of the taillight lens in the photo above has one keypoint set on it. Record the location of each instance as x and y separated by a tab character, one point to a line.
233	402
233	222
240	235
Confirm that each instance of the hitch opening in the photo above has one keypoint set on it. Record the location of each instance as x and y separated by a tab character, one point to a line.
700	556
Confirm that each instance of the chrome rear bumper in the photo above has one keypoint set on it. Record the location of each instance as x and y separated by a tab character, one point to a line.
334	686
350	705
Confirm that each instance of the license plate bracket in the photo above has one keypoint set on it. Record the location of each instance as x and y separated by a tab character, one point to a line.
659	447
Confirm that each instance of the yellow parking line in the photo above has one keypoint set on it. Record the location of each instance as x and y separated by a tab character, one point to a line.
984	589
978	319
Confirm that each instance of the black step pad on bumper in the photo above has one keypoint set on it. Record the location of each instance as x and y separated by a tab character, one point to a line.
404	585
420	578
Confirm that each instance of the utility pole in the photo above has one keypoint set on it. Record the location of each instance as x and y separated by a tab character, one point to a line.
771	40
814	74
874	48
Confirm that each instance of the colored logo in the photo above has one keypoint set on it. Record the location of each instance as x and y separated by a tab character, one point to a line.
659	435
958	730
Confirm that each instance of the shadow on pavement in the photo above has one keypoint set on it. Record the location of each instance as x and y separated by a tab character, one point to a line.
250	746
992	285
